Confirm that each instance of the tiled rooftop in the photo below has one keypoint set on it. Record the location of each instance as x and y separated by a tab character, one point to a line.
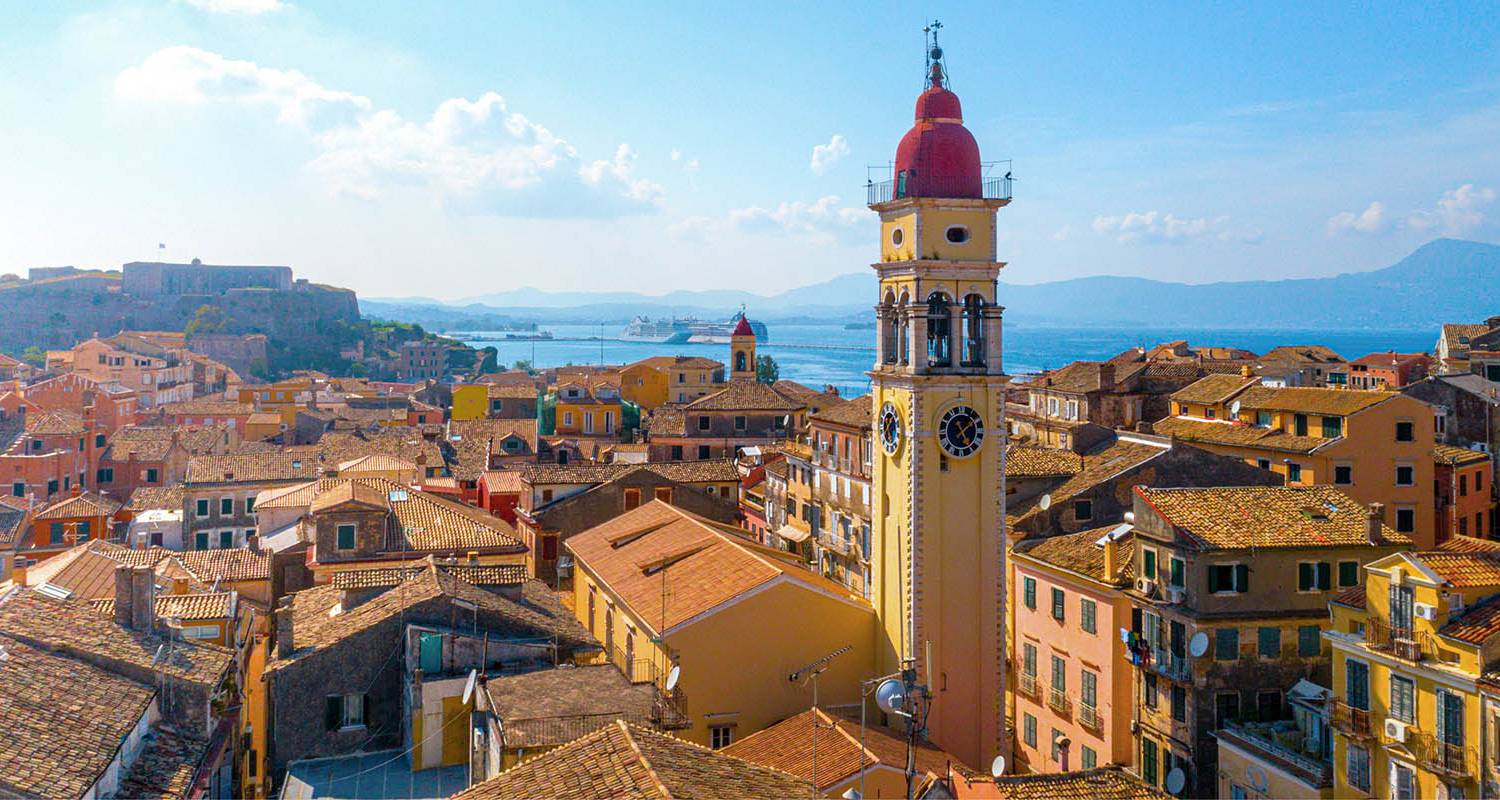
1080	552
165	498
747	396
535	705
1030	461
87	504
228	564
622	760
854	413
1236	434
1100	783
262	467
1449	454
788	745
1476	625
1096	467
166	766
1213	389
1242	517
186	607
1312	400
720	470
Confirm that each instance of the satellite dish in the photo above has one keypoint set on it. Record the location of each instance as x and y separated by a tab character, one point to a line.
672	676
997	767
890	696
1176	779
851	794
1198	645
161	650
1234	408
1046	502
469	686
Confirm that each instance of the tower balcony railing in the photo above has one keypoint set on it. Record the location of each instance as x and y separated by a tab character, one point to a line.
1350	720
886	191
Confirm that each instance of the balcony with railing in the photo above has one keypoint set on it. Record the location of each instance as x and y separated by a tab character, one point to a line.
886	191
1281	741
1440	757
668	709
1351	721
1090	718
1058	701
1170	665
1026	686
1407	644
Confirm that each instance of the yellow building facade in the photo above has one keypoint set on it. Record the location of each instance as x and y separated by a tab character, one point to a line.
1408	658
470	401
938	400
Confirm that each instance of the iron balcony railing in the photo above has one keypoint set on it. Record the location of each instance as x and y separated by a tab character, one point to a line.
1026	686
886	191
1350	721
1058	701
1404	643
1444	758
1170	665
1307	762
1090	718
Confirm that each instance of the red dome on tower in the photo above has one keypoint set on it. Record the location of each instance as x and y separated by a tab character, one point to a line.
743	328
938	157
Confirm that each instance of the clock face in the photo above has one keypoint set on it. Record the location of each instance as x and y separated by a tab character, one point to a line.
961	431
890	429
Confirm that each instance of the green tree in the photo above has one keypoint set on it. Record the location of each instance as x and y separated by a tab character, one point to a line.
767	370
524	365
207	319
35	356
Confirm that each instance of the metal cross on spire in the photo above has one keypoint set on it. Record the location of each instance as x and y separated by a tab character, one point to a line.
935	71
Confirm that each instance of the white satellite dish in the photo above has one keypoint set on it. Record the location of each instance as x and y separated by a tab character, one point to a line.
1234	408
1046	502
1198	645
1176	779
890	696
672	676
997	767
469	686
851	794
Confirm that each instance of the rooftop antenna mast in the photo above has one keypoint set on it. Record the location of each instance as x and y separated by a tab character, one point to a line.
811	672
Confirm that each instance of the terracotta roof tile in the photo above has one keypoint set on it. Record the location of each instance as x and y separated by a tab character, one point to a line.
1212	389
747	396
549	707
262	467
1236	434
229	564
1467	568
854	413
1449	454
1241	517
207	408
479	575
1029	461
1096	468
1353	598
1312	400
787	746
712	471
55	423
1476	625
706	563
1101	783
625	761
1080	552
165	498
87	504
165	768
186	607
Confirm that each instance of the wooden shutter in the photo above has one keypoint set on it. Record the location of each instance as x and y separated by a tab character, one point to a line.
1213	579
333	713
1242	577
1325	576
366	715
1304	577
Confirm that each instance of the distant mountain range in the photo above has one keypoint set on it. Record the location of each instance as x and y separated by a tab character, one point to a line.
1445	280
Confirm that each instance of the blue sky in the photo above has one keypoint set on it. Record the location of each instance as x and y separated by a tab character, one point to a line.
452	149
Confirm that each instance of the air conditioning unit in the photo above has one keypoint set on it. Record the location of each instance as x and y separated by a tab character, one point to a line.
1425	611
1145	586
1395	730
1176	594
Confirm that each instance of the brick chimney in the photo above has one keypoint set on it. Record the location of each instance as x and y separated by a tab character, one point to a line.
1374	518
1106	375
1111	558
135	597
123	596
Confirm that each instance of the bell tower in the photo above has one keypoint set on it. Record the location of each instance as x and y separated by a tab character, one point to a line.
742	351
939	498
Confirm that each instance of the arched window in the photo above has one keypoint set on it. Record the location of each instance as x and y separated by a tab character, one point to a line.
888	327
739	361
903	329
939	331
973	331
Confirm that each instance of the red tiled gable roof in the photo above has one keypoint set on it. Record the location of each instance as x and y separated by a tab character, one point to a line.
788	745
84	505
746	396
1244	517
624	761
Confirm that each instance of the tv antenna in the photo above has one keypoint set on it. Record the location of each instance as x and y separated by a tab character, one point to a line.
810	672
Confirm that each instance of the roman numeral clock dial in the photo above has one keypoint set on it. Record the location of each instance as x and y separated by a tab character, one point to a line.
961	431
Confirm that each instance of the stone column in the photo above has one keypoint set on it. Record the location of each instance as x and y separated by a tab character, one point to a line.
918	336
993	340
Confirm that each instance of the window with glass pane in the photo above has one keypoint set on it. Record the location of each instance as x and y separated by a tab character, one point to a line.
1179	573
1059	604
1357	684
1357	768
1226	644
1152	697
1059	674
346	537
1028	729
1088	609
1148	563
1090	689
1028	659
1090	758
1348	573
1028	592
1148	761
1179	704
1333	427
1403	694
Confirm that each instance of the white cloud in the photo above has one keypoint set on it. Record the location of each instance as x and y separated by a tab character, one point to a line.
1158	228
250	7
1372	220
474	155
824	217
189	76
1458	211
826	155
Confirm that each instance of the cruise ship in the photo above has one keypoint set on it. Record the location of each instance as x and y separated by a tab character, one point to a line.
677	330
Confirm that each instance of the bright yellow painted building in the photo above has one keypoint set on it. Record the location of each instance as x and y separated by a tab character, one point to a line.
661	587
584	410
655	381
938	397
1375	447
1408	655
470	401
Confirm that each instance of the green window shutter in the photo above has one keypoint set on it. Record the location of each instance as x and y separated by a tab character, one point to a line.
1213	580
333	712
1242	577
1304	577
365	716
1348	573
1325	576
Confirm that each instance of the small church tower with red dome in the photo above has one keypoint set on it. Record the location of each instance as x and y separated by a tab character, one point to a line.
742	351
937	485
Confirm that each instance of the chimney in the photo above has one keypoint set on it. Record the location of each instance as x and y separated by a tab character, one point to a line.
1374	518
1246	371
1106	375
1111	558
123	596
284	646
142	598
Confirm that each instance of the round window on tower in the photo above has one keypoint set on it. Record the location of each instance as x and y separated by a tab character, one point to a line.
958	234
897	237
